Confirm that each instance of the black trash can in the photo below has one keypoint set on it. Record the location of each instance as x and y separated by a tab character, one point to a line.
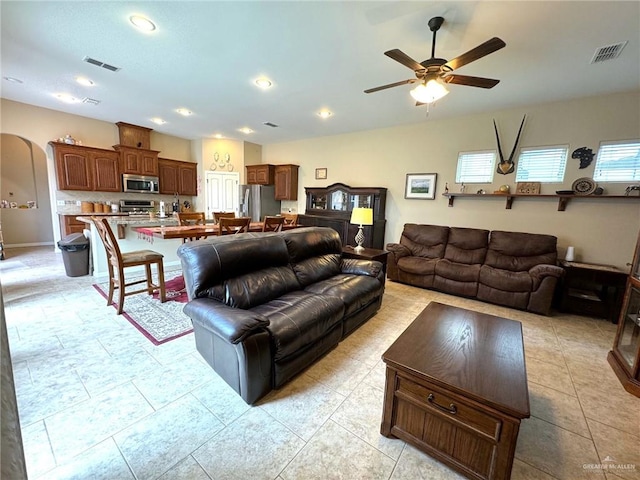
75	254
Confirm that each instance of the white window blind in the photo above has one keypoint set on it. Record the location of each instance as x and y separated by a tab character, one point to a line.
618	162
475	167
542	164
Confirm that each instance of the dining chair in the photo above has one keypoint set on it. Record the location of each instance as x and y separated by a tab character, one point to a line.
290	218
117	261
191	218
218	215
272	223
231	226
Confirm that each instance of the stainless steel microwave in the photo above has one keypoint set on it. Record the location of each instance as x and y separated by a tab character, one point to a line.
139	184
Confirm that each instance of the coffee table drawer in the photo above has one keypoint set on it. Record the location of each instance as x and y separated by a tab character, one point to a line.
449	408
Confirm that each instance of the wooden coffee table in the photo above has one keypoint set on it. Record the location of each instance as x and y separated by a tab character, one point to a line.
456	388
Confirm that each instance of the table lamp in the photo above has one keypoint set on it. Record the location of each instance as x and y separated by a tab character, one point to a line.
361	216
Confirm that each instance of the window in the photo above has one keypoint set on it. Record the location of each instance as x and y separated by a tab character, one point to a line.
542	164
618	162
475	167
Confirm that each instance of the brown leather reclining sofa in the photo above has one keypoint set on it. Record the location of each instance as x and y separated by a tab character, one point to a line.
507	268
265	306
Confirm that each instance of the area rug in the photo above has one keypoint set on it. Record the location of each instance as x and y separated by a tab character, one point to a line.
158	322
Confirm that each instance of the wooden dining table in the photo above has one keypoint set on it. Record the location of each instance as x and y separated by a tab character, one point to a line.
192	231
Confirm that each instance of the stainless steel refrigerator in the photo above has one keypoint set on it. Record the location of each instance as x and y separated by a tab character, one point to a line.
256	201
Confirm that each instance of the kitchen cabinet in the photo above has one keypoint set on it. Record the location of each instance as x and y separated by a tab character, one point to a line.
332	206
262	174
138	161
69	225
177	177
286	182
86	168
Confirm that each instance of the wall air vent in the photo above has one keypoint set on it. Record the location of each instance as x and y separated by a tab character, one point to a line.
608	53
91	101
269	124
98	63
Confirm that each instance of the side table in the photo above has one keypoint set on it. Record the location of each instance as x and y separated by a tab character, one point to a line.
591	289
367	254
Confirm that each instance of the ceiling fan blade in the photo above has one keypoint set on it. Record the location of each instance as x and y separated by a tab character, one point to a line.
404	59
391	85
480	51
471	81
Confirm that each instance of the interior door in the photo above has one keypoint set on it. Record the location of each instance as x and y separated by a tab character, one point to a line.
222	192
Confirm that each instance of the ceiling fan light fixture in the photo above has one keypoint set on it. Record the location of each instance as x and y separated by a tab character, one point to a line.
158	121
324	113
429	91
142	23
263	82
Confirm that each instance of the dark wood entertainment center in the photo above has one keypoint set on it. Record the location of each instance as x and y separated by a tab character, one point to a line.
331	207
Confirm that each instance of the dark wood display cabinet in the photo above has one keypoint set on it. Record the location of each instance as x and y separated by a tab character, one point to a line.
625	356
331	207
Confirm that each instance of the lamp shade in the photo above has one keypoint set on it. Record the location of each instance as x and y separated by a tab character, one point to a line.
428	92
362	216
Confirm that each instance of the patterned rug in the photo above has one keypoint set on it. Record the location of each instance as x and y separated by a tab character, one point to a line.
159	322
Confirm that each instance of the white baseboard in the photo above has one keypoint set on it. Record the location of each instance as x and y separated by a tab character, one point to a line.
22	245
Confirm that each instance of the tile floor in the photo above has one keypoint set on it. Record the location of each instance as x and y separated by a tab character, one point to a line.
99	401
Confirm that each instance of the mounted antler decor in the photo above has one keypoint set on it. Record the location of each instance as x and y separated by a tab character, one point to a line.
507	166
585	155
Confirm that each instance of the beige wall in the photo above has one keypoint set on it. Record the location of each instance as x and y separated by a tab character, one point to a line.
602	231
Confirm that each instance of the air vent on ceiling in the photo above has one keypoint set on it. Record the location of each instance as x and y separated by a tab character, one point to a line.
98	63
608	53
269	124
92	101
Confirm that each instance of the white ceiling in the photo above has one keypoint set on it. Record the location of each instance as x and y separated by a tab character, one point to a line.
205	55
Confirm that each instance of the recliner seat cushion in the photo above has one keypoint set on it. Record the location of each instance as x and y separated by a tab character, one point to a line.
505	280
418	265
355	291
299	318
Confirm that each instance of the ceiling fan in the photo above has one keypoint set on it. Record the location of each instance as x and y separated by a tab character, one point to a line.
432	74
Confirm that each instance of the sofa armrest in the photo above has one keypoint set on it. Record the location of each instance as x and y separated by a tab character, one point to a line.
356	266
398	250
231	324
540	272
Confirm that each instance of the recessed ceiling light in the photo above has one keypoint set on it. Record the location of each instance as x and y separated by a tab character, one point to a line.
218	136
246	130
184	111
65	97
263	82
142	23
324	113
158	120
12	79
84	81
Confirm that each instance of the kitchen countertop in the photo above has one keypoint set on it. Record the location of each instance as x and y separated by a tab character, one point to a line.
136	220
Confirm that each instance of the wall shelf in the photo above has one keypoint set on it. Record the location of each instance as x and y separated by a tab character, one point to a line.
562	199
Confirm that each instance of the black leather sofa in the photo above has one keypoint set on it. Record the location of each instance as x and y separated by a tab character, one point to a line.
266	306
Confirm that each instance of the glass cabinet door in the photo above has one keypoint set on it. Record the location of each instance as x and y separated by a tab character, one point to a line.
361	201
339	200
319	202
629	338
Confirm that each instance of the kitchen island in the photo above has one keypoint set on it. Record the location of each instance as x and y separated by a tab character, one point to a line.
129	240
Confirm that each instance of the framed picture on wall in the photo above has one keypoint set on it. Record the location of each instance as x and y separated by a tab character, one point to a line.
420	186
321	173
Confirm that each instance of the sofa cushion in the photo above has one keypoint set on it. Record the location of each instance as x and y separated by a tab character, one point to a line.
354	291
467	245
505	280
251	289
428	241
457	271
299	318
520	251
418	265
315	253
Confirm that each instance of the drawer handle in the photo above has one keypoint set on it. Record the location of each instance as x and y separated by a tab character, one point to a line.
452	408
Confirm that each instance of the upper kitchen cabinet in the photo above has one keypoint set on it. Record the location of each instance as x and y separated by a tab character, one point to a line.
177	177
86	168
138	161
134	135
262	174
286	182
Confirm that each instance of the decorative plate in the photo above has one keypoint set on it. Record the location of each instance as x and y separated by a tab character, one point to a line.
584	186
